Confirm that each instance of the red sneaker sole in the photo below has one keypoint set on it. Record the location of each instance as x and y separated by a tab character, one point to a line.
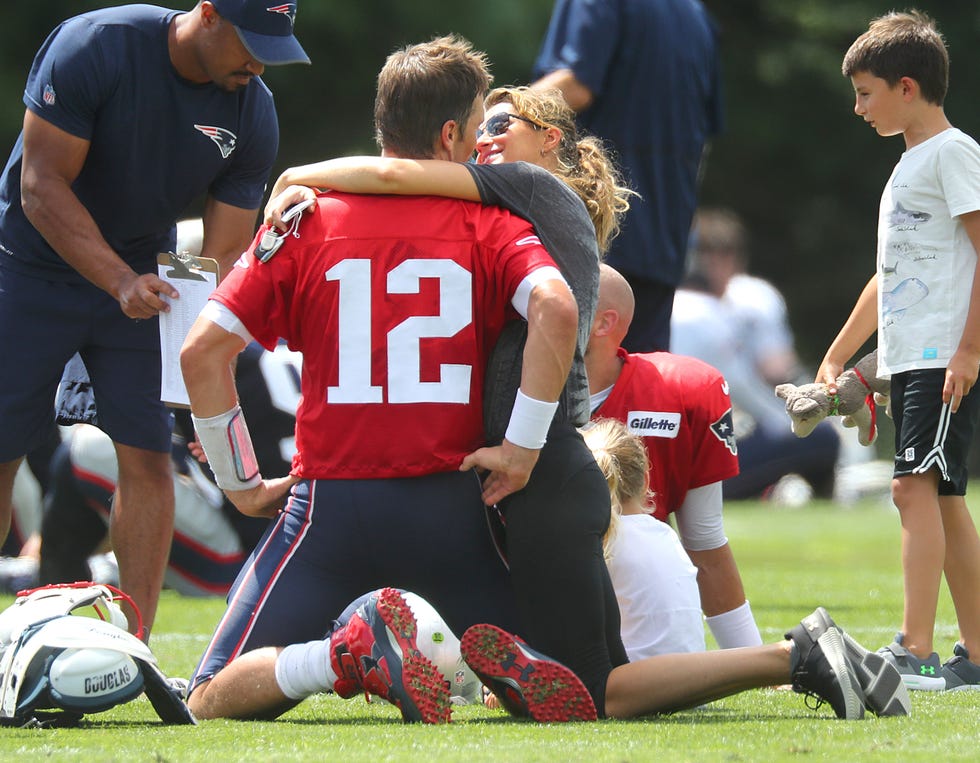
426	696
543	689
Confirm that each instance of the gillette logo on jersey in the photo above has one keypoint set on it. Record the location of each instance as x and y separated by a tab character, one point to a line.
654	423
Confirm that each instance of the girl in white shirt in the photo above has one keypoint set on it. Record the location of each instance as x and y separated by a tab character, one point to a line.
655	581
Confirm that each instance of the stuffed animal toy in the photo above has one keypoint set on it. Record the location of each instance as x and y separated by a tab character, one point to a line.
858	389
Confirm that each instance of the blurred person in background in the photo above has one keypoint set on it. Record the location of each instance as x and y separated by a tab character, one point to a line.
721	244
707	325
644	76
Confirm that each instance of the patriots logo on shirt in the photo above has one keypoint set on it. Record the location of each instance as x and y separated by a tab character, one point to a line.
224	139
724	430
286	9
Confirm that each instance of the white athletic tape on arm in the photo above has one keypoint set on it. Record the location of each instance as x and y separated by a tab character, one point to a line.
228	446
530	420
220	315
522	296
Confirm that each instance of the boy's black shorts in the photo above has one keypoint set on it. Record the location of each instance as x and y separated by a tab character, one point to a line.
927	434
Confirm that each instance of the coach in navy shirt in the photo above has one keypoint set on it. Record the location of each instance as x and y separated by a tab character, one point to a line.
132	113
644	76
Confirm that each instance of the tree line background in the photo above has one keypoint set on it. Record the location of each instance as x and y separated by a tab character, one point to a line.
794	161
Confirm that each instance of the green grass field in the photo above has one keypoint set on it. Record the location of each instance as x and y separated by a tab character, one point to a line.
846	559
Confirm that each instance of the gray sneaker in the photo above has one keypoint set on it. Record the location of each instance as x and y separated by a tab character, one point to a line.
918	674
884	692
960	673
819	668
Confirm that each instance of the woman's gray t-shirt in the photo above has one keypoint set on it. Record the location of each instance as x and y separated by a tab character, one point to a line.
562	223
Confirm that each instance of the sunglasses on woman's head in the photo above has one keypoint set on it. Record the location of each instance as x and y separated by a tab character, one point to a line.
499	123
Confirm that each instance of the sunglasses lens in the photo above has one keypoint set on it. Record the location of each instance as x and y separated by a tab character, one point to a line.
496	125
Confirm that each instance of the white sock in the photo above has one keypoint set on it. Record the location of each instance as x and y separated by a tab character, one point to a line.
304	669
735	628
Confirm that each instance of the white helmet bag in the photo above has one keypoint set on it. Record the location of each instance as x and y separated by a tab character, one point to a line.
52	660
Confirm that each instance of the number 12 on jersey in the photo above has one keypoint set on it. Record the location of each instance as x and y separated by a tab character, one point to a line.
404	377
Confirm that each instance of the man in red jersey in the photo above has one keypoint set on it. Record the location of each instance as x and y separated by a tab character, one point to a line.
680	407
395	304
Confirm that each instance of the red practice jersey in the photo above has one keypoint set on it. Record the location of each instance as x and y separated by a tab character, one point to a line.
395	303
680	407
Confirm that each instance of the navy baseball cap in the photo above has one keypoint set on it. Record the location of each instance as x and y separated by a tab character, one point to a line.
265	28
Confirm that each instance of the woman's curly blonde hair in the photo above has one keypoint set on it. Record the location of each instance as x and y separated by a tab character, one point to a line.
584	163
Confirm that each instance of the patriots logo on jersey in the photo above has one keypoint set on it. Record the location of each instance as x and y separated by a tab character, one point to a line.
286	9
724	430
224	139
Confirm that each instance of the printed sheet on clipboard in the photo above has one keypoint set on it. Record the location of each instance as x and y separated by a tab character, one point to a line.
194	278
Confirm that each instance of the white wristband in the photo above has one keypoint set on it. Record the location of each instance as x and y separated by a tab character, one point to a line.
228	447
530	420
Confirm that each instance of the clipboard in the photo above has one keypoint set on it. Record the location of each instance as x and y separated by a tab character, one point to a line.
194	278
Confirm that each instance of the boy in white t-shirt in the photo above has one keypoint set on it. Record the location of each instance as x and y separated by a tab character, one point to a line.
925	303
